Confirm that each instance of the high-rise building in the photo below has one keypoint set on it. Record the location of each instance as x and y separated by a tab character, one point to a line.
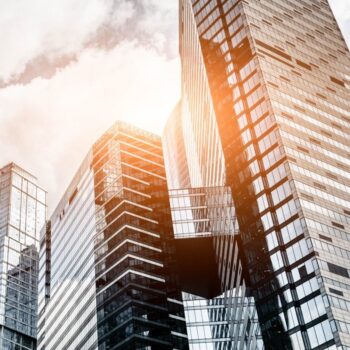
107	278
22	216
265	111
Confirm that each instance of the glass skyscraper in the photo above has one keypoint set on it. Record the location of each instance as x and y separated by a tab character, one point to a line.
265	111
22	216
107	277
175	151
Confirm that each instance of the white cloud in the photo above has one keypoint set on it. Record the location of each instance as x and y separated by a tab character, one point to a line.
54	29
48	125
31	28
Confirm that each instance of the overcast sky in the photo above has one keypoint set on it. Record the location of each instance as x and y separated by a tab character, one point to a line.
70	68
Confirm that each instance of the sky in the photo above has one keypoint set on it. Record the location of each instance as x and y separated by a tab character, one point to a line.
70	68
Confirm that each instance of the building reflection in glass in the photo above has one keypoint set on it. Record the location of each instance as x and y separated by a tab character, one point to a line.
282	113
22	213
220	313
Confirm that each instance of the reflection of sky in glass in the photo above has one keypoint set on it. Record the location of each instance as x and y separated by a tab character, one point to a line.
202	212
199	212
198	323
23	212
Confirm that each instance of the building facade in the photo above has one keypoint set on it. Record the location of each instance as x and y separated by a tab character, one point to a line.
272	78
108	256
175	151
202	207
22	216
220	314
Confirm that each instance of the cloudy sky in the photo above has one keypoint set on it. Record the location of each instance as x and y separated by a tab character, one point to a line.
70	68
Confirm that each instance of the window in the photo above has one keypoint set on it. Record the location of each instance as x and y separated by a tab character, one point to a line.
339	270
263	203
276	175
281	193
268	141
271	240
286	211
264	125
255	96
247	69
297	251
276	260
259	111
319	334
258	185
307	288
267	221
242	121
313	309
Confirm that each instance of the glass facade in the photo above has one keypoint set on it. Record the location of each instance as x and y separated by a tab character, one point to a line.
227	320
67	292
274	75
175	151
107	257
22	216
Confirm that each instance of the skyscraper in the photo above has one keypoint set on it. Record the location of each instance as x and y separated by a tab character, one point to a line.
108	255
268	81
22	216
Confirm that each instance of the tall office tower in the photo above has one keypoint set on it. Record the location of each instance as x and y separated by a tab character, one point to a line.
22	215
277	76
109	253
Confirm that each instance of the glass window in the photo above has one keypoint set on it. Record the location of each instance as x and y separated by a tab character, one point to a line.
258	185
292	230
263	203
271	240
281	193
31	189
268	141
267	221
276	260
286	211
41	195
15	215
16	180
276	174
272	157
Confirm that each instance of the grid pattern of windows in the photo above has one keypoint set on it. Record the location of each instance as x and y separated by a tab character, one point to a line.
175	152
23	214
228	321
278	78
110	280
